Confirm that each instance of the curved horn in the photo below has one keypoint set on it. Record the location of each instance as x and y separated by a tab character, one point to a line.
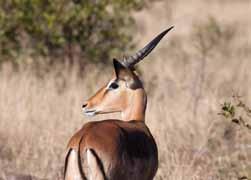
141	54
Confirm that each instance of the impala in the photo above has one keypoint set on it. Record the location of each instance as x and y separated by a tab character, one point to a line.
116	149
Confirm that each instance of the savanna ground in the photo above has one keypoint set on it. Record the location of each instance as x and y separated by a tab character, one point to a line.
196	68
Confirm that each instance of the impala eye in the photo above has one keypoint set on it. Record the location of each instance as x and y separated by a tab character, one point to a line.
113	85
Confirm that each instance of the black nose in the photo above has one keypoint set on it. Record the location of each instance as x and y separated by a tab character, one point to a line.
84	105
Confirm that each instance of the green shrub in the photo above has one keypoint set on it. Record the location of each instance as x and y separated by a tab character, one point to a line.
91	30
237	112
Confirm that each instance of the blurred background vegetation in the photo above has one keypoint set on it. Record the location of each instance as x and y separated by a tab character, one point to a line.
77	31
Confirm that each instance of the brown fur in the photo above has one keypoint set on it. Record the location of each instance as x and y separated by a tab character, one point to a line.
127	149
118	150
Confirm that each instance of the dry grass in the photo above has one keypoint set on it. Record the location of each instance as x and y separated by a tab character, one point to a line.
188	76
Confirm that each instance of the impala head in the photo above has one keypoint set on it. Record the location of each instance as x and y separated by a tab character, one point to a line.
124	92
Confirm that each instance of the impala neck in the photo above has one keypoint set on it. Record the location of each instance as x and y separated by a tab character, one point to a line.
136	107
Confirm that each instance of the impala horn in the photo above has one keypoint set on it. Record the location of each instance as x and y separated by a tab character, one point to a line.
141	54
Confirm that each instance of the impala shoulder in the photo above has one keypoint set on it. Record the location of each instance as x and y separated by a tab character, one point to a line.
79	135
140	126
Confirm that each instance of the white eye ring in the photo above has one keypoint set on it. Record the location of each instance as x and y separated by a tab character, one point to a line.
112	85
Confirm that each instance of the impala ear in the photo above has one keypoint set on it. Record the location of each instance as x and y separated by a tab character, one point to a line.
123	73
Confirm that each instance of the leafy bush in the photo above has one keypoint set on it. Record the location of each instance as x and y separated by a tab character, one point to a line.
87	29
230	110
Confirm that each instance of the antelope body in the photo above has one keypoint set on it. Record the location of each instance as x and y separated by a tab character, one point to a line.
116	149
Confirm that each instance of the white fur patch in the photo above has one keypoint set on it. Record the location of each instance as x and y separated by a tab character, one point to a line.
95	172
72	169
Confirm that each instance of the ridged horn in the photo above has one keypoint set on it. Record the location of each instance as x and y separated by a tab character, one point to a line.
141	54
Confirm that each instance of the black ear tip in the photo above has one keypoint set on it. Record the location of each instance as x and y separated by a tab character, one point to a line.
117	64
115	61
